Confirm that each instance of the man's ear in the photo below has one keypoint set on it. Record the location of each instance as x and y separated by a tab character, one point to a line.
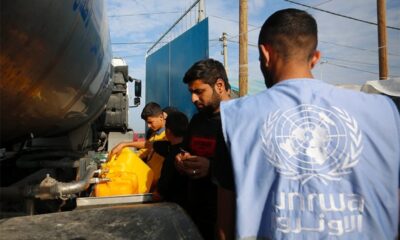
219	85
264	54
164	115
315	58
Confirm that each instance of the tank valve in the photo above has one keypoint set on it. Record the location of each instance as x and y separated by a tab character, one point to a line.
99	180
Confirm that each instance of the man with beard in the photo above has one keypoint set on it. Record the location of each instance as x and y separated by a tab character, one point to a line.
208	84
310	160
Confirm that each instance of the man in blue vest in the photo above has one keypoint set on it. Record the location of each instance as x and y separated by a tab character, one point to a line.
311	161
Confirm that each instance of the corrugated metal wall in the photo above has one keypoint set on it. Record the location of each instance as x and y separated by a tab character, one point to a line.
166	67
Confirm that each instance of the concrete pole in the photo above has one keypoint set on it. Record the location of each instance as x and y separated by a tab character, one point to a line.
225	50
202	12
382	41
243	57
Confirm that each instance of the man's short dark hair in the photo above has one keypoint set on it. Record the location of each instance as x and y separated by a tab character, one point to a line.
177	123
207	70
151	109
290	32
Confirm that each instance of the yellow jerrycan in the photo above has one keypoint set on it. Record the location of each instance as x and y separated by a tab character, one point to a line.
128	174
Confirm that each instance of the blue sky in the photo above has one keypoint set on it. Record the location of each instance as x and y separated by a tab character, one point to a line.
349	48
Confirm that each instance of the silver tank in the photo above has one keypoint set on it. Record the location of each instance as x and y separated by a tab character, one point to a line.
54	66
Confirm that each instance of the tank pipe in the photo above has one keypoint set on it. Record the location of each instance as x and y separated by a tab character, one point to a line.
61	189
51	190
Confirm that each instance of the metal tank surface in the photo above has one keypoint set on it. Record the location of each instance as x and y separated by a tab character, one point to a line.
54	66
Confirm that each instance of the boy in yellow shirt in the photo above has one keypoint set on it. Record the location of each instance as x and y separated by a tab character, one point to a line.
155	119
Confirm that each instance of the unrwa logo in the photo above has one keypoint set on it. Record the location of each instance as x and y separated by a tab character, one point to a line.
308	141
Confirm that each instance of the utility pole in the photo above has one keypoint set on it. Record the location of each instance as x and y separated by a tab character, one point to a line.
382	41
225	50
243	57
202	12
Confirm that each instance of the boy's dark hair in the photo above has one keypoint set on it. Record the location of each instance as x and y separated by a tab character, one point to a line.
151	109
207	70
177	123
290	32
168	110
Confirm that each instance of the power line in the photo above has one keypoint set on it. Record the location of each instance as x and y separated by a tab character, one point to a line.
356	62
140	3
350	61
233	41
347	67
215	44
131	43
249	44
319	4
141	14
321	41
335	64
356	69
339	15
341	45
236	21
133	56
235	36
357	48
332	58
174	24
231	20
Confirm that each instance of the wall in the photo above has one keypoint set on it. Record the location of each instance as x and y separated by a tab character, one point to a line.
166	67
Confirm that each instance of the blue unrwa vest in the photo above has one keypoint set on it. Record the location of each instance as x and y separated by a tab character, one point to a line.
312	161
